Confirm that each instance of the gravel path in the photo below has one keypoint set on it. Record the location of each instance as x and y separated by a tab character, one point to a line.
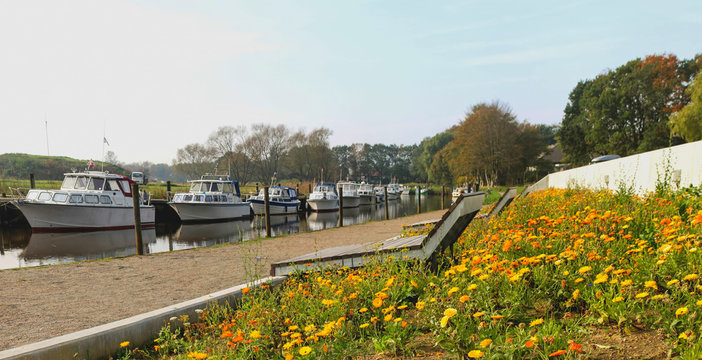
44	302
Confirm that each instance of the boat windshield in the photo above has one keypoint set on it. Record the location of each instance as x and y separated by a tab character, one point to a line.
81	183
198	187
324	188
216	187
96	183
68	182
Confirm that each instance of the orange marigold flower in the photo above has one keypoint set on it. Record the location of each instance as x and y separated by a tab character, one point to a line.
557	353
245	290
475	354
529	343
377	302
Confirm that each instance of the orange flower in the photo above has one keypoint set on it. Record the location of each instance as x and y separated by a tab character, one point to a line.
557	353
245	290
529	344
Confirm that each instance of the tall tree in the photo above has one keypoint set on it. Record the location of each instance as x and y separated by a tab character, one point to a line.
266	146
195	160
688	121
228	143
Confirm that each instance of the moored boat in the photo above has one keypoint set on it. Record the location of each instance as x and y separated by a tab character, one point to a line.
323	198
281	200
349	193
87	201
367	194
212	198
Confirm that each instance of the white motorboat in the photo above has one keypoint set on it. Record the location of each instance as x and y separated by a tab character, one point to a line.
281	200
379	194
349	193
212	198
367	194
87	201
394	191
457	192
323	198
404	190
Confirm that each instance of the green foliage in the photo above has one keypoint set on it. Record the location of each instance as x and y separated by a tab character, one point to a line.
19	166
688	122
625	111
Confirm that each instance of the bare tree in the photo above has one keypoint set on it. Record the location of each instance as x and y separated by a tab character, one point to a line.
229	145
194	160
266	146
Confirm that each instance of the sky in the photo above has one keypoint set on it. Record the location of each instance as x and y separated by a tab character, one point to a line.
153	76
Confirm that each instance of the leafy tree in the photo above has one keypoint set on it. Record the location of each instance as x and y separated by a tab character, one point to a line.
688	121
424	155
195	160
266	146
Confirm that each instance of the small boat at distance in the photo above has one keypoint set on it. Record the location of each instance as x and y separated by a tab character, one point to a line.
87	201
366	193
323	198
212	198
281	200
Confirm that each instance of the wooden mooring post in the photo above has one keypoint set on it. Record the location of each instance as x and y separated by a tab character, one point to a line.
168	190
385	198
267	206
31	181
419	199
309	189
443	196
341	207
137	219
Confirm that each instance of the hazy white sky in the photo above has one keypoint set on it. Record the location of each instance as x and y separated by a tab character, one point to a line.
155	75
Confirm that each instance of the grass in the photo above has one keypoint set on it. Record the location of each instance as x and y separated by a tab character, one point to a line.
532	283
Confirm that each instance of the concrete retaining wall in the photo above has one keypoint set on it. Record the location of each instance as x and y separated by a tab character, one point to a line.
682	165
103	341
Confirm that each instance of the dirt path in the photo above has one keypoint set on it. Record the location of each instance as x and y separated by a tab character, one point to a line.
41	303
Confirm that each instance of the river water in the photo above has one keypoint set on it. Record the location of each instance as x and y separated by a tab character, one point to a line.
20	248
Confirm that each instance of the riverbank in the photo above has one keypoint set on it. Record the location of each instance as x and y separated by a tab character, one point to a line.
41	303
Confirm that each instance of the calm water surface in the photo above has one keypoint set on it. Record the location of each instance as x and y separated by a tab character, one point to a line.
20	248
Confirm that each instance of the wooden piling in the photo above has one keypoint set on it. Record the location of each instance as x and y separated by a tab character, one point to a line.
309	189
385	198
443	196
137	219
31	181
341	207
168	190
267	210
419	199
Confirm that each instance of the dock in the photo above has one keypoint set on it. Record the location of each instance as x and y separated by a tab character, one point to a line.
422	247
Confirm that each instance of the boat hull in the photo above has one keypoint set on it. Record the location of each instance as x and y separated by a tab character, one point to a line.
351	202
323	204
48	217
367	199
202	212
276	207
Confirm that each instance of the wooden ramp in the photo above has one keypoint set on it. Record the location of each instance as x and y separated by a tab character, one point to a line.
500	205
443	235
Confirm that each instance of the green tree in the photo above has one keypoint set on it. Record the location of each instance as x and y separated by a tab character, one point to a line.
425	153
688	122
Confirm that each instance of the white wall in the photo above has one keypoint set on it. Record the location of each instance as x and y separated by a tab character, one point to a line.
638	172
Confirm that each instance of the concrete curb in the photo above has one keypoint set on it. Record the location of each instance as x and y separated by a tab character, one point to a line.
103	341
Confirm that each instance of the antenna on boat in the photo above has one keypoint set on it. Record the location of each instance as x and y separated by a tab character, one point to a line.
46	128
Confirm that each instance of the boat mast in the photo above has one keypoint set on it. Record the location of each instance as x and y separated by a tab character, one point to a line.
46	128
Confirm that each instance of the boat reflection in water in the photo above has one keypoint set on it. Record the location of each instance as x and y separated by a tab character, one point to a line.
188	236
280	224
51	248
322	220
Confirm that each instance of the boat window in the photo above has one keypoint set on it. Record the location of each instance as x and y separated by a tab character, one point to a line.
275	192
32	195
198	187
91	199
45	196
104	199
292	193
60	197
188	198
76	199
125	187
208	198
112	185
199	197
68	182
223	198
228	188
96	183
216	187
178	198
81	183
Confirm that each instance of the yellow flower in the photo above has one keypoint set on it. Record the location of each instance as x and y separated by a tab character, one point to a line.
293	328
472	287
538	321
476	272
305	350
681	311
486	343
450	312
584	269
641	295
578	280
444	321
364	325
255	334
363	310
420	305
478	314
576	294
453	290
464	298
197	355
124	344
626	282
651	284
601	278
377	302
690	277
474	354
401	307
617	299
388	317
673	282
289	356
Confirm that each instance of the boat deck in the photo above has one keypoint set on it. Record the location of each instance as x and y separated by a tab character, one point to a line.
422	247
